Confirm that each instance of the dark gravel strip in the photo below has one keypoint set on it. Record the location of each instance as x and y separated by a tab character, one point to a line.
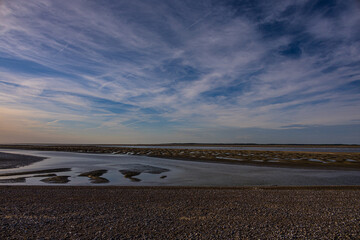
179	213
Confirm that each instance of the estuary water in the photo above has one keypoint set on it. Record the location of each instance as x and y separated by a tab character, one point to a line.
152	171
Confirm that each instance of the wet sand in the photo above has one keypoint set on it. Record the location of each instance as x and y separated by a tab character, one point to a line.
9	160
179	213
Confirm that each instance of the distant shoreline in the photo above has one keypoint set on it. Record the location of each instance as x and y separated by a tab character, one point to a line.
296	159
199	145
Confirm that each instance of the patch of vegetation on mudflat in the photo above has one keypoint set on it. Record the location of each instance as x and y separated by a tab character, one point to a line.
95	176
129	173
133	170
57	179
13	180
96	173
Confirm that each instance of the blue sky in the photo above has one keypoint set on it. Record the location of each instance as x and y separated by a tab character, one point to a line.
88	71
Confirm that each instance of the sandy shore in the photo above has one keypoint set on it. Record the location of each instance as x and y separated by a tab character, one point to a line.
179	213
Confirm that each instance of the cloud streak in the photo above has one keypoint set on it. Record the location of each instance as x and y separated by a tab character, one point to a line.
162	71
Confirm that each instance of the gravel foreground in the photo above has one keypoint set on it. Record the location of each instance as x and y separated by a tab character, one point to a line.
28	212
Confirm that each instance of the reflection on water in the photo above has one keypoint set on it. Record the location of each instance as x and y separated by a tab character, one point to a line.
130	170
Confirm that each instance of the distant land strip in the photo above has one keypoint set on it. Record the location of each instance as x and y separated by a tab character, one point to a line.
200	145
321	160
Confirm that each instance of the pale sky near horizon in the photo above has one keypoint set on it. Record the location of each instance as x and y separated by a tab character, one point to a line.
87	71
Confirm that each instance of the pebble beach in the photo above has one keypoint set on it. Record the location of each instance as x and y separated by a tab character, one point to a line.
179	213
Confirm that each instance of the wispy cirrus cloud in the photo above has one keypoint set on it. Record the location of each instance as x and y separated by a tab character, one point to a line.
163	71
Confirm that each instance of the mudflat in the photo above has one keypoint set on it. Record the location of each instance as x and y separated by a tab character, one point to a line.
33	212
324	160
9	160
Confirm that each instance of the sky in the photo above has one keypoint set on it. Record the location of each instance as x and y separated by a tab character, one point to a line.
161	71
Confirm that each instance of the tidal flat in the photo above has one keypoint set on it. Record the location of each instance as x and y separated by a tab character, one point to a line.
8	160
132	169
299	159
